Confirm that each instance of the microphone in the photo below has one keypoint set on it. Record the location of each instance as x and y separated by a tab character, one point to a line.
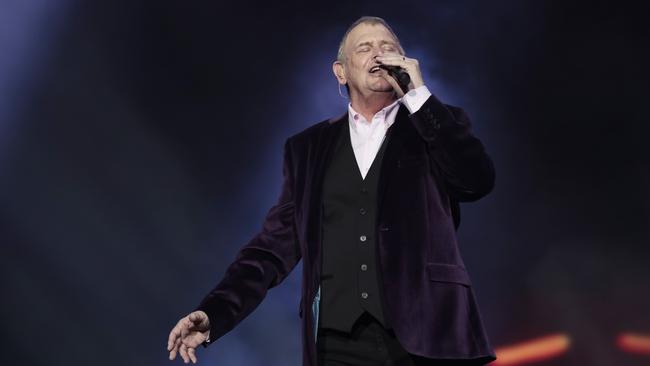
400	75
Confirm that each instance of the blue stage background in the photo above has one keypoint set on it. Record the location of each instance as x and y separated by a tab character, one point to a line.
141	142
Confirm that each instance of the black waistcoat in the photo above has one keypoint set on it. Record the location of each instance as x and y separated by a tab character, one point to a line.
350	281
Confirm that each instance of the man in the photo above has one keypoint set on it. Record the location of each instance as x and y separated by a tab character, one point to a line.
370	203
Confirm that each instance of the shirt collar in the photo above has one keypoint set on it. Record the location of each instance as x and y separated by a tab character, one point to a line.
355	117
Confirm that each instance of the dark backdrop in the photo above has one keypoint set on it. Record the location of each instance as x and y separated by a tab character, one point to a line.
141	142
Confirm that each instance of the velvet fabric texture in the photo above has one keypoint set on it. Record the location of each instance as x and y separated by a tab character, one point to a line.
431	163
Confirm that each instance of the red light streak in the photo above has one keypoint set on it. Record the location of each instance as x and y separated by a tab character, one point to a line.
533	350
634	343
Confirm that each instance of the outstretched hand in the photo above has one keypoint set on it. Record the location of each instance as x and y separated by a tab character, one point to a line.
188	334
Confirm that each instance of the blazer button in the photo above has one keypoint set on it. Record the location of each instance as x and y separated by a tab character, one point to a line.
363	238
362	211
364	295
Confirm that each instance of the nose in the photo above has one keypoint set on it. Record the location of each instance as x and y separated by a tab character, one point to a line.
378	53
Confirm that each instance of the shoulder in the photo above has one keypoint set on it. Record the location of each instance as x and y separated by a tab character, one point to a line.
434	109
311	134
433	104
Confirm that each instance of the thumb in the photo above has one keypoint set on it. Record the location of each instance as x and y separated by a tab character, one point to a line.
198	318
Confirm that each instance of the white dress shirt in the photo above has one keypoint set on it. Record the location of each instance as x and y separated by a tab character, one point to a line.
367	136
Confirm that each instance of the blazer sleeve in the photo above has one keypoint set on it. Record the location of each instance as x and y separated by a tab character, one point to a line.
458	156
261	264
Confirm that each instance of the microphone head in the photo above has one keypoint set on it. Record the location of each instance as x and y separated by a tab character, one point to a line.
399	74
403	78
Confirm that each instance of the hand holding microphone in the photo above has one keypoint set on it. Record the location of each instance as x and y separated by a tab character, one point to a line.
403	73
400	75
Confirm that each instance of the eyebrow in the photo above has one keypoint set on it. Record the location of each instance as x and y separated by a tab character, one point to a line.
381	43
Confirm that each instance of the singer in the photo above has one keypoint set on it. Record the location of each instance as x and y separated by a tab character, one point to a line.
370	203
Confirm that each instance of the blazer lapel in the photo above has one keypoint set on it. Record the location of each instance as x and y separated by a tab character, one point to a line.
389	166
323	154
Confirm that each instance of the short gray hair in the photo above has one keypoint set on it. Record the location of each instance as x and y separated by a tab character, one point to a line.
365	20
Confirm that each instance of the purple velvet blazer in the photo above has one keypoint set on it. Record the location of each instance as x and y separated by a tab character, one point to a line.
432	162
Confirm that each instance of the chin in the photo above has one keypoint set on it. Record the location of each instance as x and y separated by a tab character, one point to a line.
387	89
381	87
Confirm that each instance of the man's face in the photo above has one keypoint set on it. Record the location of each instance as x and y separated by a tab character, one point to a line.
363	44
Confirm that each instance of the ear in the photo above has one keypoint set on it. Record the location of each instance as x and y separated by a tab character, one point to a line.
339	72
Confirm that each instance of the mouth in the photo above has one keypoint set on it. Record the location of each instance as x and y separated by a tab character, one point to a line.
374	69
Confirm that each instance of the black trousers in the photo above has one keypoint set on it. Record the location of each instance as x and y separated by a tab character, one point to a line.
369	344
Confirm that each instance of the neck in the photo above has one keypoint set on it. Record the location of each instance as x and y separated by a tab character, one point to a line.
369	105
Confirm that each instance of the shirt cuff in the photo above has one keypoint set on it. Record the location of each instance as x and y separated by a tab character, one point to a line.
207	341
415	98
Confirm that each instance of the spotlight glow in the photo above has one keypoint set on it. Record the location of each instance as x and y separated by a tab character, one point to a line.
533	350
634	343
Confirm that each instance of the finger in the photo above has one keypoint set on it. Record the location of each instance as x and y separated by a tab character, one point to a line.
192	353
196	317
194	340
411	66
185	328
401	61
392	58
173	335
189	323
184	355
192	317
394	62
174	351
170	341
